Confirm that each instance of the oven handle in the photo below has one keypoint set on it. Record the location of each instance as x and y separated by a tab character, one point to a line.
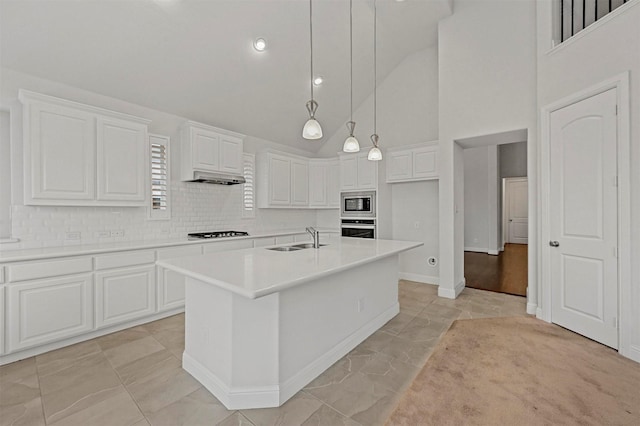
358	226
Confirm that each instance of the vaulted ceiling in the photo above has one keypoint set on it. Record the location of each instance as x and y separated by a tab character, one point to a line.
195	58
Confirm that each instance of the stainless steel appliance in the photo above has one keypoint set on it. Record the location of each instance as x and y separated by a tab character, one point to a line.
358	204
216	234
358	228
217	178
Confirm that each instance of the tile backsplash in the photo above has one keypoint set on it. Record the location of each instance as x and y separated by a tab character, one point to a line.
195	207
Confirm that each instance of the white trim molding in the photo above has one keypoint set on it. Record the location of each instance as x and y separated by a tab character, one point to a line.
619	82
448	293
419	278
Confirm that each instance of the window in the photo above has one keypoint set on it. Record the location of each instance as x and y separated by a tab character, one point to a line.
5	176
576	15
160	208
248	191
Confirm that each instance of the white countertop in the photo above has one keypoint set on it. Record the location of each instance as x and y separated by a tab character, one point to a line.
89	249
258	272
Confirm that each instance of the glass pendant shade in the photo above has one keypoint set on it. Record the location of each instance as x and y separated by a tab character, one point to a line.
312	129
374	154
351	143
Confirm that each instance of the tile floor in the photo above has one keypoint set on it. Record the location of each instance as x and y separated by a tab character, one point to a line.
133	377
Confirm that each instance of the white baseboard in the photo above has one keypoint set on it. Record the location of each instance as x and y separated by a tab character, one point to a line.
477	249
493	252
452	293
539	313
275	395
426	279
633	352
532	308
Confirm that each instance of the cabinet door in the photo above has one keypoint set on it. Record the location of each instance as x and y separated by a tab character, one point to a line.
48	310
124	294
399	166
425	162
299	183
59	153
205	146
349	173
170	283
317	184
122	160
230	155
279	181
367	173
333	184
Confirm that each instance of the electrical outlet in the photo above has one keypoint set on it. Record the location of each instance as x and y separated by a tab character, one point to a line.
117	233
103	234
72	235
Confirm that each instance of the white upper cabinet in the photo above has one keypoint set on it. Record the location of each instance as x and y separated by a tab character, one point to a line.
357	173
209	149
324	191
290	181
413	163
80	155
121	152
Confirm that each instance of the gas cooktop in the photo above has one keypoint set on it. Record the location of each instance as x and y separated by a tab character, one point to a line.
217	234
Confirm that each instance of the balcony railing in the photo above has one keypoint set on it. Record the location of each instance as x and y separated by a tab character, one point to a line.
576	15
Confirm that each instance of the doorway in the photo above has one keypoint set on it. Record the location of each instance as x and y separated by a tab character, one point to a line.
496	216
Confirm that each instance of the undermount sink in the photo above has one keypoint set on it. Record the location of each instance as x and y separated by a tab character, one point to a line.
306	245
288	248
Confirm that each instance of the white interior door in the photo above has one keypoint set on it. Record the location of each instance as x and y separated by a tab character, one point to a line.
517	210
583	218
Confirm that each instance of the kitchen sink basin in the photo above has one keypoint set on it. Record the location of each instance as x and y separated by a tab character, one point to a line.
305	245
287	248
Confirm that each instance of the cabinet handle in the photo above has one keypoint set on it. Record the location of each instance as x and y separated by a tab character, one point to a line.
554	243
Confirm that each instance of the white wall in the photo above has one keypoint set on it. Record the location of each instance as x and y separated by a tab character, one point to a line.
407	107
195	207
487	75
601	52
415	218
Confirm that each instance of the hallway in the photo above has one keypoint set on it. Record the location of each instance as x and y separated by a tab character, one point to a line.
505	273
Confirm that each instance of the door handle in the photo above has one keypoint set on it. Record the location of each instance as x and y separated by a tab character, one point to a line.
554	243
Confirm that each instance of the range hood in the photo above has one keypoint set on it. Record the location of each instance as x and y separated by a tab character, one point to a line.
216	178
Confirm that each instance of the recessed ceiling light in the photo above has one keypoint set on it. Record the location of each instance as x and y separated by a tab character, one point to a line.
260	44
318	80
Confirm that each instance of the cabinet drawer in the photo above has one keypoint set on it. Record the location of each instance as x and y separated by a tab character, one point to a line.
129	258
125	294
172	253
44	311
52	268
228	245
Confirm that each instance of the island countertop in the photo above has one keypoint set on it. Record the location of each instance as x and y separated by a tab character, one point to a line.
258	272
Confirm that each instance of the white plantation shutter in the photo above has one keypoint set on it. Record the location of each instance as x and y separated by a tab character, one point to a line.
159	146
248	191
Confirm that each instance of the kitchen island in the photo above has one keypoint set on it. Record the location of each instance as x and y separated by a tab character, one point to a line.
261	323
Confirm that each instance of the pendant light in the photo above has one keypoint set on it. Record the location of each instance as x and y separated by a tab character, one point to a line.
311	129
375	154
351	143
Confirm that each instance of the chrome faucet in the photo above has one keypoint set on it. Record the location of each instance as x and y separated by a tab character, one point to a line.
316	236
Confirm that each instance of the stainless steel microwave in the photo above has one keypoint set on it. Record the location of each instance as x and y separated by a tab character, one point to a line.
358	204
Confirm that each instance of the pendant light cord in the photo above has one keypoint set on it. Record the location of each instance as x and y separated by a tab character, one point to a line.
375	66
311	42
351	54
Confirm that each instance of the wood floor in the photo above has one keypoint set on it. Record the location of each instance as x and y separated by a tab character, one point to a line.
505	273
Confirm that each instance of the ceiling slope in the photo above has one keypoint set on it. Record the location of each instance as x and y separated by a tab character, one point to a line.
195	58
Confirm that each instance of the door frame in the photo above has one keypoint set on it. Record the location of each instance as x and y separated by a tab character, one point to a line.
625	326
505	207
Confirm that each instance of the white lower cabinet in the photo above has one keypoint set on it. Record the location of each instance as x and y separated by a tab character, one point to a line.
48	310
125	294
170	283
